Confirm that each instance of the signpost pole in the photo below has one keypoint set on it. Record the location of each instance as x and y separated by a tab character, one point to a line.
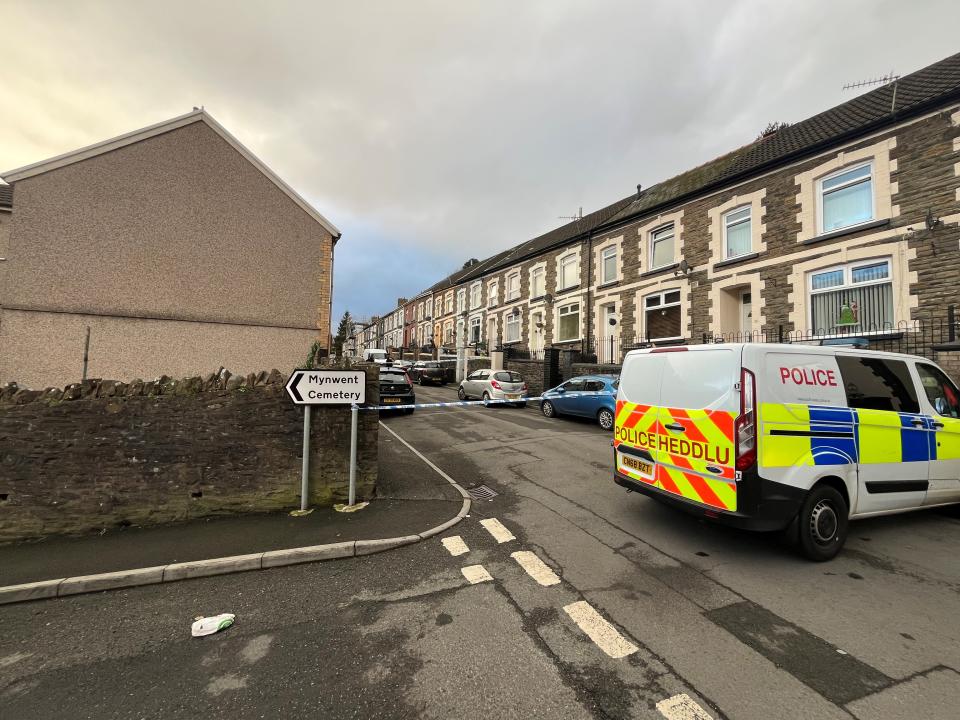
354	416
305	478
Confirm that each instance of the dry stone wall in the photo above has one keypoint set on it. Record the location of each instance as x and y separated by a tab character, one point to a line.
105	453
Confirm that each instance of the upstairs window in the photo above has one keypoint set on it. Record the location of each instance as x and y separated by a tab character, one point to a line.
493	291
513	286
737	239
475	296
449	302
846	198
461	300
537	282
661	247
608	265
857	297
569	272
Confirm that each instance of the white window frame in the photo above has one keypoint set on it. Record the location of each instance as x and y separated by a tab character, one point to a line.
475	322
571	259
678	303
420	311
605	255
493	291
672	227
727	224
476	293
512	320
512	294
848	282
461	300
561	314
841	171
541	273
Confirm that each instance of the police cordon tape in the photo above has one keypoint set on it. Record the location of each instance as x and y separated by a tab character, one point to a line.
463	403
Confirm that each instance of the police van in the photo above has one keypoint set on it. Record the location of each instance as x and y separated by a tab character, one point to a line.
769	437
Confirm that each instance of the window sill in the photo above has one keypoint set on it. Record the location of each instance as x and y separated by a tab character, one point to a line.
736	260
612	283
872	225
511	343
538	298
567	342
660	270
571	288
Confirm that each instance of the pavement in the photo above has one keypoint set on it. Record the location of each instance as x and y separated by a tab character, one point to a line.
411	498
561	596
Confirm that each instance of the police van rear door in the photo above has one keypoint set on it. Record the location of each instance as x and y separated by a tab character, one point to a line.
698	405
638	408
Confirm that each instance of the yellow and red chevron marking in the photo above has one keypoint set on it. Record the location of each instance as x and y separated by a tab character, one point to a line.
707	440
681	480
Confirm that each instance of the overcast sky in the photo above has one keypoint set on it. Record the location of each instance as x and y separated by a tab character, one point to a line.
432	132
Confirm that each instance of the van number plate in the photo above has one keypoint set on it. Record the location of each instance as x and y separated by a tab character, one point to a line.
641	467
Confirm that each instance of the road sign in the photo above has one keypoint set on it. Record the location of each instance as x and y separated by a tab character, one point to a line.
327	387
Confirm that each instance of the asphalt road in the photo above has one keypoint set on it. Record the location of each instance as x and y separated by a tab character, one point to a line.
617	607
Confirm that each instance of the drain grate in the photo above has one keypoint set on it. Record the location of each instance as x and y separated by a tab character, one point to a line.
482	492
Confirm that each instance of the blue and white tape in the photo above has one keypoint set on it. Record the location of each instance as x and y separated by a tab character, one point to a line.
463	403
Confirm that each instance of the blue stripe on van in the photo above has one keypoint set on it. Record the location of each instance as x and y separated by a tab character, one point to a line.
832	450
914	441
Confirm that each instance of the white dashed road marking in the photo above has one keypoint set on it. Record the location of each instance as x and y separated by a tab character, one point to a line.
682	707
476	574
455	545
599	630
536	568
496	528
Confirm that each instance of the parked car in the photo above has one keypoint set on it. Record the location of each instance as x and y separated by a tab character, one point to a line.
375	355
402	365
591	396
396	388
428	372
494	385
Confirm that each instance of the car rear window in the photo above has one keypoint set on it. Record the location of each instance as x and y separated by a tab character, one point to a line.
432	364
393	377
507	376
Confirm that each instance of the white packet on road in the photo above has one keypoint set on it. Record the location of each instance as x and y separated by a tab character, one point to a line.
209	625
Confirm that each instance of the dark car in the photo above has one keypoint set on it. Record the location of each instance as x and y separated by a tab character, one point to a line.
428	372
396	388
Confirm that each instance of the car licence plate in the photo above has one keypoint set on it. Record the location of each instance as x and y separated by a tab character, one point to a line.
392	400
639	466
513	396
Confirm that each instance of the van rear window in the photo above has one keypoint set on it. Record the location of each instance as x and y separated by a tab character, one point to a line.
877	384
698	379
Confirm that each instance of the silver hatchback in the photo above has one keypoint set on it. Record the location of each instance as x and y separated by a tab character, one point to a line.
494	385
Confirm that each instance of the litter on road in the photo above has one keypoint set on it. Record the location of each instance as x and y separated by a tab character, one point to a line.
210	625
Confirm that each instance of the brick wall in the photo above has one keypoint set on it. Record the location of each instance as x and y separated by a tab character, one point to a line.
104	453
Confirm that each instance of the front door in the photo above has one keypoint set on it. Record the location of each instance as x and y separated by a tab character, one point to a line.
491	334
746	313
607	350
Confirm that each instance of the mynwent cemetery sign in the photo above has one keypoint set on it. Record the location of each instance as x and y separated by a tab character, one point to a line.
327	387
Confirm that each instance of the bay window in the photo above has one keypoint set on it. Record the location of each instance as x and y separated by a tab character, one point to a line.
857	296
845	198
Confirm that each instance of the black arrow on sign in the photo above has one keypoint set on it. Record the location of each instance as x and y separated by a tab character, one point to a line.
292	386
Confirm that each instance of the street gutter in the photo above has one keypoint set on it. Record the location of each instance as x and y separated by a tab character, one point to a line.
63	587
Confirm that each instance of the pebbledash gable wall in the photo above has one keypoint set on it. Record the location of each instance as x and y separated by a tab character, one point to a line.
104	453
177	252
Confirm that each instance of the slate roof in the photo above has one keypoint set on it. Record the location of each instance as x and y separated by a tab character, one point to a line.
6	195
915	93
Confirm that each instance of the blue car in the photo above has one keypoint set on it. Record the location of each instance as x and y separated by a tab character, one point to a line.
591	396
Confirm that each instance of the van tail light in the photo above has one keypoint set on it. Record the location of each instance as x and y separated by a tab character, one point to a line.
745	427
495	385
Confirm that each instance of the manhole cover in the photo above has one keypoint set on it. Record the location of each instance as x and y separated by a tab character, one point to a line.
481	492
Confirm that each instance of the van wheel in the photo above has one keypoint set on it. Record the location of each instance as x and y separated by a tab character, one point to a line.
547	409
605	418
822	523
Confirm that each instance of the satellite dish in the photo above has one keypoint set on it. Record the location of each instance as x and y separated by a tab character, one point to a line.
548	298
682	268
515	311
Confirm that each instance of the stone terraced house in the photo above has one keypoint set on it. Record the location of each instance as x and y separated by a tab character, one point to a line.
178	248
846	223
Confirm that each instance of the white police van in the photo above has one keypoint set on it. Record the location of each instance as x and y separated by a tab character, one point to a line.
767	436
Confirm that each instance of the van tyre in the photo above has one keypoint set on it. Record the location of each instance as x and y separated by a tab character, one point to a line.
822	523
547	409
605	418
